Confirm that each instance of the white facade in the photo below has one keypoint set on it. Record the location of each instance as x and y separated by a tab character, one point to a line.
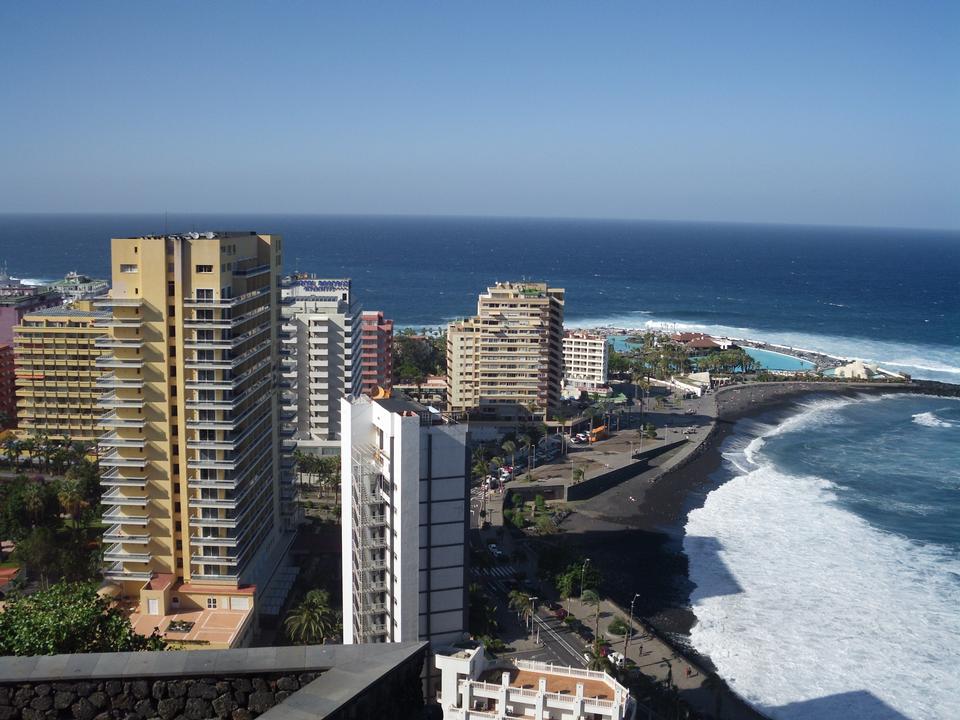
472	686
404	523
321	325
585	361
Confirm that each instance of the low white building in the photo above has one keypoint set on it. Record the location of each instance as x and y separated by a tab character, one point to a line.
320	341
405	516
472	686
585	362
857	370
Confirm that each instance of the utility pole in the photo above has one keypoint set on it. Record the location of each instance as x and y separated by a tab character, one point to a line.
626	639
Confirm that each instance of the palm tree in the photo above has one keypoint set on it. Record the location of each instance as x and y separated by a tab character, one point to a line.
526	442
509	447
34	501
598	661
519	603
312	621
70	496
13	449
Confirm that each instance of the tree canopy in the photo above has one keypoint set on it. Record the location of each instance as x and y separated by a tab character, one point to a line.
68	618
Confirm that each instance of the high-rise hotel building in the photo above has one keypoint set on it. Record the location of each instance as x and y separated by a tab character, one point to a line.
507	360
321	347
405	516
56	351
198	504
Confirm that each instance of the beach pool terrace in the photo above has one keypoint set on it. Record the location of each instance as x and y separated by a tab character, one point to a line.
768	359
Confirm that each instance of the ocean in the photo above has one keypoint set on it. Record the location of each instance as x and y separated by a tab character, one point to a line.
828	567
890	296
827	562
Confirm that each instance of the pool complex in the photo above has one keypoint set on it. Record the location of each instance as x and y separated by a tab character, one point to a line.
768	359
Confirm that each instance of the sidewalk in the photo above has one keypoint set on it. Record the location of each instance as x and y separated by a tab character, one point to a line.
658	660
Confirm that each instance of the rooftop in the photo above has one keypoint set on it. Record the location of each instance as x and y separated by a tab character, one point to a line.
68	312
207	235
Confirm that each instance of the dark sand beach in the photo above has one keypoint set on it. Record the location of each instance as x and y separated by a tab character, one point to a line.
634	532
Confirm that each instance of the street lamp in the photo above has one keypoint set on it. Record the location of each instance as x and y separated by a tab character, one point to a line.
582	571
532	599
626	639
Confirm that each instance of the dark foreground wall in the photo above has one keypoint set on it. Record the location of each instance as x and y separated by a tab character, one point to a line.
296	683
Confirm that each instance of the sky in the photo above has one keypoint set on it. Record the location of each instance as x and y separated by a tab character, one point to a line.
807	112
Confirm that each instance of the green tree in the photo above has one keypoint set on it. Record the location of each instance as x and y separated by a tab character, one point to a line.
40	555
578	474
312	621
68	618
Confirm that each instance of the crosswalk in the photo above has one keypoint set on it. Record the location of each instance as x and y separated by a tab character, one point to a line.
497	571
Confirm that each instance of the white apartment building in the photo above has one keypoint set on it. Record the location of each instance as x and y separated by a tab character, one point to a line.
321	338
405	517
585	362
474	687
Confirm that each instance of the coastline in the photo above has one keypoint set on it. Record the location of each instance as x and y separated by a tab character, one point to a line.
640	549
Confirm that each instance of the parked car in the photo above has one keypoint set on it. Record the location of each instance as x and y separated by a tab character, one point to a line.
495	551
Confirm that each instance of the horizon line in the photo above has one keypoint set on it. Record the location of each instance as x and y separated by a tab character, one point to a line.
468	216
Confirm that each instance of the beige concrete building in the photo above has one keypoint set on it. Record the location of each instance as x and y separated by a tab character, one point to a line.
55	354
585	358
198	505
474	686
507	360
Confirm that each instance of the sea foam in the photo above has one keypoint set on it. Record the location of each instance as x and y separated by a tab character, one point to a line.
928	419
807	610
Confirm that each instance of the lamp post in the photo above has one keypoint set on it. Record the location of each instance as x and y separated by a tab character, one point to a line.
582	571
532	599
626	638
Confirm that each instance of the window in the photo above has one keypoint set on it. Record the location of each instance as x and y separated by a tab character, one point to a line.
204	293
211	603
171	288
125	268
204	268
172	329
172	310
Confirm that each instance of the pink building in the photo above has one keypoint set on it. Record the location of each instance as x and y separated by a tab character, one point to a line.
376	352
17	302
8	397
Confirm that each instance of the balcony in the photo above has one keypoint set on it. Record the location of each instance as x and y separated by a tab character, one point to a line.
225	303
218	541
117	302
115	459
214	559
116	499
111	361
113	420
116	553
118	518
113	342
117	572
115	534
112	401
114	478
213	522
116	322
112	381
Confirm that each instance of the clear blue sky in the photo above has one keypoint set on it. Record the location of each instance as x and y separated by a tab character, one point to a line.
813	112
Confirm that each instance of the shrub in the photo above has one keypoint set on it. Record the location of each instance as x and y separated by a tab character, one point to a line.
618	626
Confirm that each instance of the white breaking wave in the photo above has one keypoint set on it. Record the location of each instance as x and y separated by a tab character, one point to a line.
928	419
929	362
808	611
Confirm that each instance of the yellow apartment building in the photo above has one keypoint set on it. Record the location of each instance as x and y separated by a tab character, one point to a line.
507	360
55	354
198	496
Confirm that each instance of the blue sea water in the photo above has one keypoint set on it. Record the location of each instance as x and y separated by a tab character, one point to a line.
891	296
827	566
